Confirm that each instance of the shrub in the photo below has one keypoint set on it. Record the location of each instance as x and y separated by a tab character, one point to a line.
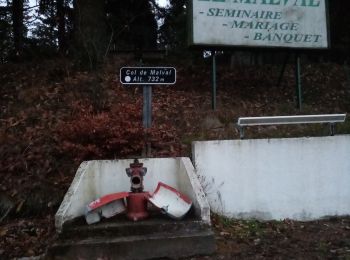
114	133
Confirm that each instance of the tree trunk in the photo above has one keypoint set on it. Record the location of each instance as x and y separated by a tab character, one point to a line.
61	25
90	32
17	25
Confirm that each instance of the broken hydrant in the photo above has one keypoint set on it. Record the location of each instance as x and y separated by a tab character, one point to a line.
137	199
166	198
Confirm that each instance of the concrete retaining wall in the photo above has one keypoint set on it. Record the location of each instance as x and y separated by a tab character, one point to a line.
98	178
296	178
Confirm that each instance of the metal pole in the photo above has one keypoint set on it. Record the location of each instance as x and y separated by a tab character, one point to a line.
283	70
332	129
298	81
147	117
147	106
241	132
213	100
146	114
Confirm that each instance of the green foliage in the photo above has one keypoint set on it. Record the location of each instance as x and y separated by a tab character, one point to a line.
45	31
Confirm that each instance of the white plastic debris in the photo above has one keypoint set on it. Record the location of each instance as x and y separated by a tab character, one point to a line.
170	201
106	206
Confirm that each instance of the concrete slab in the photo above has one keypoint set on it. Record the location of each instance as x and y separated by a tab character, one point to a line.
156	245
119	238
296	178
95	179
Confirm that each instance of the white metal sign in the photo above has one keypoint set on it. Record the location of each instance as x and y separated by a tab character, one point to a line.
260	23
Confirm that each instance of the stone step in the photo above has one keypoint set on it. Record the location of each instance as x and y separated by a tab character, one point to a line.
166	244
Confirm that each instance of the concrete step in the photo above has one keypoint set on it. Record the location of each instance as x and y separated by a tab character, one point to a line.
172	245
124	227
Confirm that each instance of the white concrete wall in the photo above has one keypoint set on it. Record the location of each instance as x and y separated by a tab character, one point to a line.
296	178
98	178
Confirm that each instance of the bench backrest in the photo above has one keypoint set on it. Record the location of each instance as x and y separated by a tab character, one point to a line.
287	120
281	120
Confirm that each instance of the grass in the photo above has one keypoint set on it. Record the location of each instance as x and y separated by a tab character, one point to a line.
238	227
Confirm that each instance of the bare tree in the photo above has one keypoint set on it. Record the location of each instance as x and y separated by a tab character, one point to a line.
90	31
61	25
17	25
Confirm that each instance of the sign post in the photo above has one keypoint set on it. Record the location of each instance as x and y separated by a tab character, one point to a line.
287	24
298	82
213	96
147	107
146	77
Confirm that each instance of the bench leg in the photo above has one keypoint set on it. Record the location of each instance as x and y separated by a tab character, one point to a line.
332	129
241	132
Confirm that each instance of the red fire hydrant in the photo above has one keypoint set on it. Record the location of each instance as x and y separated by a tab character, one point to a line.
137	199
164	198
